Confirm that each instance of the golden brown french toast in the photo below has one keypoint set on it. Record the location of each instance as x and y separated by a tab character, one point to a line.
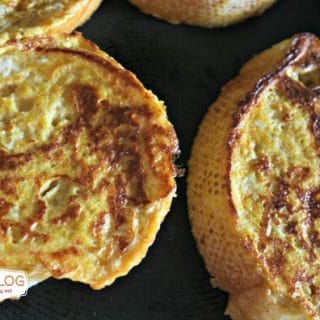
25	18
204	13
253	186
86	162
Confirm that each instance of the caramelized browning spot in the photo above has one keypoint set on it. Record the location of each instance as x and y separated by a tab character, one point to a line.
277	262
4	207
296	92
98	226
291	227
280	197
313	199
117	200
316	126
8	185
69	215
135	172
85	99
287	117
39	212
61	254
4	226
130	116
12	162
315	238
263	164
48	149
123	243
298	174
42	237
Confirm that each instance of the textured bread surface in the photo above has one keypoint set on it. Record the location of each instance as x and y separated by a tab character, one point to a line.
204	13
253	185
86	162
25	18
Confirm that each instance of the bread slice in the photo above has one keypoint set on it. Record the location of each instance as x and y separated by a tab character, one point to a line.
253	186
86	162
21	18
204	13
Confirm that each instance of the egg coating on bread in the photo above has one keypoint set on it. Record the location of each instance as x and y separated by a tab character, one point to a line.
86	162
253	188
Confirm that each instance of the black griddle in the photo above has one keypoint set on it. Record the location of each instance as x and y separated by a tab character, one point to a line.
186	67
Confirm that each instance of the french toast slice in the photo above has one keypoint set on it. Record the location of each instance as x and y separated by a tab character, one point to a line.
26	18
204	13
86	162
253	185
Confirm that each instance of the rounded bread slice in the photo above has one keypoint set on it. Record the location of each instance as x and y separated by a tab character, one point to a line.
86	162
253	186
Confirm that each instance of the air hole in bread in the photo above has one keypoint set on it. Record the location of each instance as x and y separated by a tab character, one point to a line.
57	191
49	187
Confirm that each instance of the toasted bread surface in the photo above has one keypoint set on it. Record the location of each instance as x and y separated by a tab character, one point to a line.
204	13
253	185
20	18
86	162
